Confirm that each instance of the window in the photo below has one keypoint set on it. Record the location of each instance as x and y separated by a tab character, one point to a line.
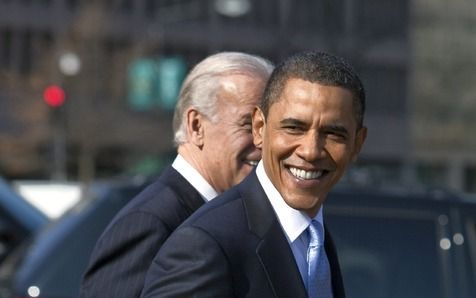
469	250
470	179
386	89
432	174
318	17
387	253
382	19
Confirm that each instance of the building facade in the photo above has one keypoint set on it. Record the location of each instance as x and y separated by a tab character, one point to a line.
443	92
387	41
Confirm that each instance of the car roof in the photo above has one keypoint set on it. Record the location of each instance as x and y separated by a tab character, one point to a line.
75	230
397	195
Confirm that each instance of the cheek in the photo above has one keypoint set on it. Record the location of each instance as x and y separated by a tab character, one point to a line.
240	142
281	146
340	154
245	138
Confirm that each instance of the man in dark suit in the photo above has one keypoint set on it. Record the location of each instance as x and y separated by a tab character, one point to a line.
265	237
212	126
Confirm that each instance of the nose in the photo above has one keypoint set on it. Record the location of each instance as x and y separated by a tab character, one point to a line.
312	147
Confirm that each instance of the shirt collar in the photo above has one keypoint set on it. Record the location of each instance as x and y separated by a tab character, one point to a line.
293	221
194	177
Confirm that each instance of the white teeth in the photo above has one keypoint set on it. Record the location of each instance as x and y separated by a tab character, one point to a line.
305	175
252	162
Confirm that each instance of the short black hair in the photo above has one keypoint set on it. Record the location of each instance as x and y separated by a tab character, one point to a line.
318	67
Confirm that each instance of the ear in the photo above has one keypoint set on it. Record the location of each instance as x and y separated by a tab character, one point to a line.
195	127
258	125
359	142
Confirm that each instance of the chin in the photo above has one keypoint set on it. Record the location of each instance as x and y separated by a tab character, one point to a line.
302	204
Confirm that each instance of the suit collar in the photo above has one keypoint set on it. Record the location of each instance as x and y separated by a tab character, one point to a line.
279	264
194	177
259	211
293	221
188	196
273	249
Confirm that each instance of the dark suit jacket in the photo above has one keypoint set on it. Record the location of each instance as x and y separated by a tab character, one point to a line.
233	246
125	250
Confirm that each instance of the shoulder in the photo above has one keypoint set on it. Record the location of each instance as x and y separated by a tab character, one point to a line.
159	208
169	195
231	205
220	210
225	213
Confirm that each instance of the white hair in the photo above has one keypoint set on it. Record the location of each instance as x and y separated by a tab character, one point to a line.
200	87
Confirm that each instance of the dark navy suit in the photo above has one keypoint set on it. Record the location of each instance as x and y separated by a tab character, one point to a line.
125	250
233	246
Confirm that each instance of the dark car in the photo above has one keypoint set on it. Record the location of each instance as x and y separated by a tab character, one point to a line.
18	219
390	244
53	263
400	244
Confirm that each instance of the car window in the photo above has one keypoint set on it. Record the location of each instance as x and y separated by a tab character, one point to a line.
468	251
387	253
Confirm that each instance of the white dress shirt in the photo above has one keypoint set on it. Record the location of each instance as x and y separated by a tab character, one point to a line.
293	222
195	178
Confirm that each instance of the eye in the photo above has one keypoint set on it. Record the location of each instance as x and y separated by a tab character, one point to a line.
293	126
336	136
246	126
293	129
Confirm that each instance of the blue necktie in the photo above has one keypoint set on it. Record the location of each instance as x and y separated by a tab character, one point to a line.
319	278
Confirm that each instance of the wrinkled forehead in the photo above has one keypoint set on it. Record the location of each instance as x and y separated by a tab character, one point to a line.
289	85
243	88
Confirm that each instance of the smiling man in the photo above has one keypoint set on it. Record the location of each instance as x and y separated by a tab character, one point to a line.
266	237
212	126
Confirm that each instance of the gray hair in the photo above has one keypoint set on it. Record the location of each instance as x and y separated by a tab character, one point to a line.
201	86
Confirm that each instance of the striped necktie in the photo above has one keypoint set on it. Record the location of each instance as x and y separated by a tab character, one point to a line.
319	278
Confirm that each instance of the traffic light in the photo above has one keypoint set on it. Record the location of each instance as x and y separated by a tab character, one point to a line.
54	96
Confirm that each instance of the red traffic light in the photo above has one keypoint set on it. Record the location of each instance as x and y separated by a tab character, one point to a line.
54	96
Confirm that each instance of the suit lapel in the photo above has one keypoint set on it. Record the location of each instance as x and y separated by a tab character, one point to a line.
336	276
278	262
188	196
273	250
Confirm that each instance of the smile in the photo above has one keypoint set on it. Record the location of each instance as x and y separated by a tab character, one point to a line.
305	175
252	162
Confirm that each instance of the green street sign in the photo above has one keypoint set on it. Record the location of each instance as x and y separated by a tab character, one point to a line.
142	76
171	73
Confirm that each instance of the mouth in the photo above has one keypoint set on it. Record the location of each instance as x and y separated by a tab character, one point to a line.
252	163
307	175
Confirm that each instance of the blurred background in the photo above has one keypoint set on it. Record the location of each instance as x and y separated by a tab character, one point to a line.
119	64
87	91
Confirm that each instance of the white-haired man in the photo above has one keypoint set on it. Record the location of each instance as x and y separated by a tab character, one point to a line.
212	126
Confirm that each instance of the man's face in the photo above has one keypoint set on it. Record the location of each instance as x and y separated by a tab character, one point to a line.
307	141
228	143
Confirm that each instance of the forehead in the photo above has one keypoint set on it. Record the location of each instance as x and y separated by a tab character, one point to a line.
238	95
242	88
311	98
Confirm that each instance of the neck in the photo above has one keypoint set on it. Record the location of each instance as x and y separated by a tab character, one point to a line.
193	155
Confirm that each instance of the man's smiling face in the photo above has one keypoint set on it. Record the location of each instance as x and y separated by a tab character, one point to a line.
308	139
228	143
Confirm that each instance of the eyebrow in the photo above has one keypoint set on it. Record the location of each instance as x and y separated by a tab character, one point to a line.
330	127
292	121
336	128
245	117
